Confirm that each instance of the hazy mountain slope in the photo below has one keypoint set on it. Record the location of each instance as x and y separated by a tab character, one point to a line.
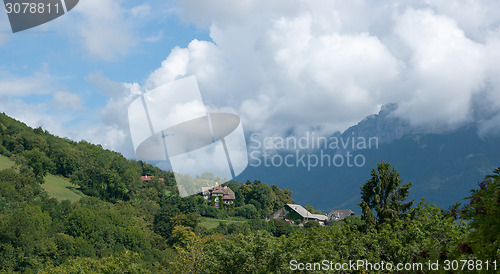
442	163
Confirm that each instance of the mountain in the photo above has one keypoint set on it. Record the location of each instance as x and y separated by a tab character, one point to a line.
387	127
443	163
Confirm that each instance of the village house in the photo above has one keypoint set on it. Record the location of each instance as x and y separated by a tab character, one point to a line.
149	178
218	195
337	215
293	213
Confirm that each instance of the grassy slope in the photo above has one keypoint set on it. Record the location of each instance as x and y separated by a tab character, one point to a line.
57	187
210	223
60	188
5	162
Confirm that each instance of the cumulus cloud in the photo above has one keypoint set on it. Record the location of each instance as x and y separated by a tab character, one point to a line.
111	128
106	32
444	70
38	83
474	18
293	65
106	86
174	66
67	100
283	75
493	65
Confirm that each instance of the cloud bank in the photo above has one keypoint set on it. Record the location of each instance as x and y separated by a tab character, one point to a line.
288	66
292	65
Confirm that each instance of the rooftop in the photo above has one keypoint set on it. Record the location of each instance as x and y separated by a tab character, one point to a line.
305	213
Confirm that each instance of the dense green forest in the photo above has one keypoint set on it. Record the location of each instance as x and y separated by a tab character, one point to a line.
123	224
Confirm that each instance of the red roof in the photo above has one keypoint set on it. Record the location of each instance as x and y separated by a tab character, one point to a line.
148	178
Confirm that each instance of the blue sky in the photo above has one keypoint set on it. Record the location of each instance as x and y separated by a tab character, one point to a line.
53	64
284	66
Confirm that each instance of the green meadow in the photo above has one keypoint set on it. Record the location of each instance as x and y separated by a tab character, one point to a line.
56	186
210	223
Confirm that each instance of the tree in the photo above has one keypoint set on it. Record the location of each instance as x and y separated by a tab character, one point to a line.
261	197
190	257
484	213
37	161
311	224
63	155
163	223
256	252
25	239
281	227
384	194
183	236
282	197
126	262
313	211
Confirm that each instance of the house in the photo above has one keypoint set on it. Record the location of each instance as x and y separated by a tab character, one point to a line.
295	212
218	195
337	215
149	178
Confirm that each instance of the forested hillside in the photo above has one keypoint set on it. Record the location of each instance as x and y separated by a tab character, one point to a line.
124	224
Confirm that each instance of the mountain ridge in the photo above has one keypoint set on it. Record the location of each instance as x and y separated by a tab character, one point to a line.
442	162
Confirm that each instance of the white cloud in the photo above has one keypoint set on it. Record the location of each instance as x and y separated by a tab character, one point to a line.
445	68
472	17
64	99
174	66
34	115
38	83
493	65
56	120
141	10
283	68
154	38
22	86
106	86
111	129
106	32
300	64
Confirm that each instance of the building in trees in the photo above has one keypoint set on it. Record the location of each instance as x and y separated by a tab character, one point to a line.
218	195
293	213
337	215
149	178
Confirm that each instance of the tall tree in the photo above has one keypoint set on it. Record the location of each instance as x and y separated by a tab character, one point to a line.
37	161
484	213
384	194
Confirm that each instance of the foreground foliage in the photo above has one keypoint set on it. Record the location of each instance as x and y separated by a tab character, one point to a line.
484	214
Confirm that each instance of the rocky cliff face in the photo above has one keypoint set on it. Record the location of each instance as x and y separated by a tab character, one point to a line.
387	127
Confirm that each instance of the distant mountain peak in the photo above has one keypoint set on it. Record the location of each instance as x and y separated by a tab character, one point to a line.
388	127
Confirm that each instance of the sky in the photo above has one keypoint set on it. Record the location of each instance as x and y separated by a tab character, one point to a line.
283	66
